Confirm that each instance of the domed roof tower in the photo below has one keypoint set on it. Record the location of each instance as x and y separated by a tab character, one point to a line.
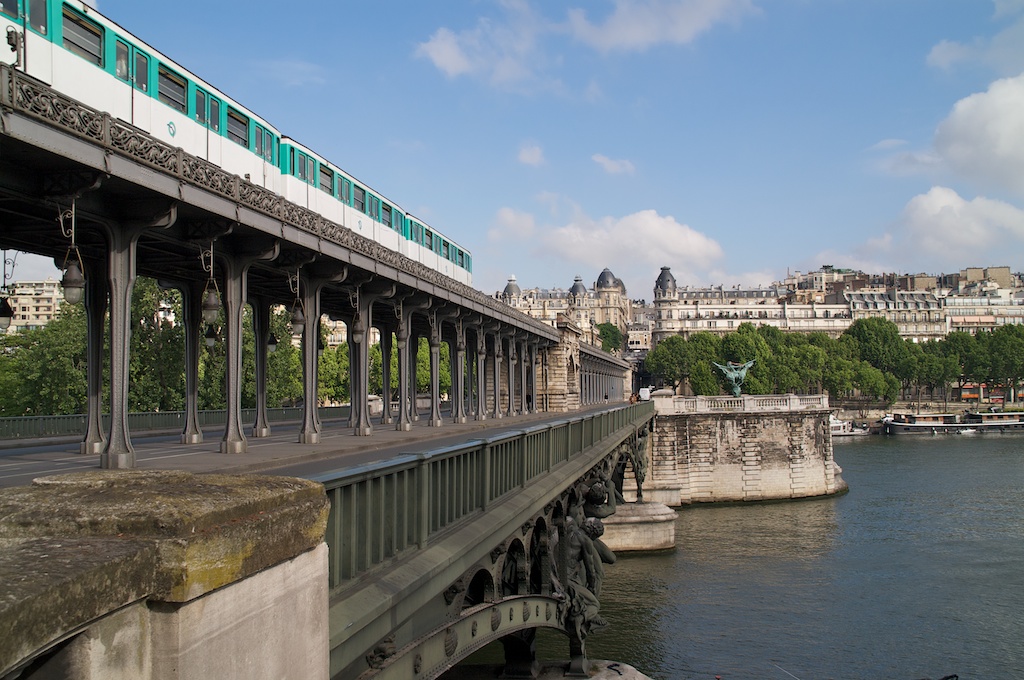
511	288
665	286
577	287
607	280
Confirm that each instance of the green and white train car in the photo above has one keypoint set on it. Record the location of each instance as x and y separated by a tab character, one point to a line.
83	54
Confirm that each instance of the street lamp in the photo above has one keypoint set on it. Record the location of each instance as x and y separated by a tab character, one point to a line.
298	320
211	293
272	343
211	335
73	281
6	311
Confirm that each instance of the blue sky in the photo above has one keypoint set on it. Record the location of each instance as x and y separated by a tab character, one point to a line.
731	140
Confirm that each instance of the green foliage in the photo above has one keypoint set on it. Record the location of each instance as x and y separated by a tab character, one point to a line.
611	337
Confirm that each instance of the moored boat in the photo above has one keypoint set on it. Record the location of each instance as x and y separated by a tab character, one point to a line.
845	428
969	422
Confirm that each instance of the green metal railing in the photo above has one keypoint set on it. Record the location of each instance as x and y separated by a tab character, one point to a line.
380	510
34	427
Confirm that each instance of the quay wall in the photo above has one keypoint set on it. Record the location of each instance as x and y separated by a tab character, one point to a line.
743	453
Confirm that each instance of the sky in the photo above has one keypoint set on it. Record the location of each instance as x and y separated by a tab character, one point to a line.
731	140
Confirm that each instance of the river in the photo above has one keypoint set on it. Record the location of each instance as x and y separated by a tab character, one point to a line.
917	572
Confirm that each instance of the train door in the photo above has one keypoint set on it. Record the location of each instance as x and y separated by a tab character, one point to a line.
132	65
208	114
35	50
264	145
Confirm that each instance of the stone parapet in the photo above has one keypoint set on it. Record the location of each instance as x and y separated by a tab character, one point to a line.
173	565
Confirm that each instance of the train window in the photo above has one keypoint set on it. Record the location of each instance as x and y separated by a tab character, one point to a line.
121	61
238	128
326	180
214	114
9	7
358	198
462	259
264	143
171	89
201	107
82	37
373	207
141	71
444	249
345	191
37	17
428	240
299	161
385	214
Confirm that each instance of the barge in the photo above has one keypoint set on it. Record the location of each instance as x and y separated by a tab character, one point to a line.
971	422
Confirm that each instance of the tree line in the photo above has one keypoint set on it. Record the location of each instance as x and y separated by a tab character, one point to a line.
43	370
869	359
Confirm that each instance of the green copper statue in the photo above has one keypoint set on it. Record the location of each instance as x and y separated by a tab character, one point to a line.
736	373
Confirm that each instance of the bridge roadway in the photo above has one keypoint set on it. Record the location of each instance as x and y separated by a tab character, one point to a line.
279	453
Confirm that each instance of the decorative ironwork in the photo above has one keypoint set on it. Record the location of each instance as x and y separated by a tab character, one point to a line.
36	99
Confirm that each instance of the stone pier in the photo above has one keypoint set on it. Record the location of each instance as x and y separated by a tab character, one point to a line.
748	448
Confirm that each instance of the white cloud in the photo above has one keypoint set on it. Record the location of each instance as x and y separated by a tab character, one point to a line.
940	231
1003	52
445	51
512	225
531	154
887	144
634	245
613	167
636	25
949	228
983	137
911	163
506	53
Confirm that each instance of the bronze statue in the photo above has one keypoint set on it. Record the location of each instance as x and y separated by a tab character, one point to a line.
735	373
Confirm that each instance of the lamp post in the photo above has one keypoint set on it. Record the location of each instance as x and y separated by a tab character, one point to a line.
298	320
6	311
73	281
211	293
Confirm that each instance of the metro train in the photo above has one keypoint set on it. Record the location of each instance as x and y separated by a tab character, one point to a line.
86	56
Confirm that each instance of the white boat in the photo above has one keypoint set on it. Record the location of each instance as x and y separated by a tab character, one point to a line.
845	428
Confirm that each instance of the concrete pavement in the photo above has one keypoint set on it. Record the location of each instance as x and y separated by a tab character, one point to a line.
280	453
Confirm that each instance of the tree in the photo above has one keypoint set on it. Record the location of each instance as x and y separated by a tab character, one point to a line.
676	359
879	343
48	367
611	337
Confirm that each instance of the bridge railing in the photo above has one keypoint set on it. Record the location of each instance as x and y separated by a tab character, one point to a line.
33	427
743	403
380	510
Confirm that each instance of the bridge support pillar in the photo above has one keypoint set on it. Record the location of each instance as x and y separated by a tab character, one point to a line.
261	332
481	378
435	371
192	300
96	289
459	383
123	241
